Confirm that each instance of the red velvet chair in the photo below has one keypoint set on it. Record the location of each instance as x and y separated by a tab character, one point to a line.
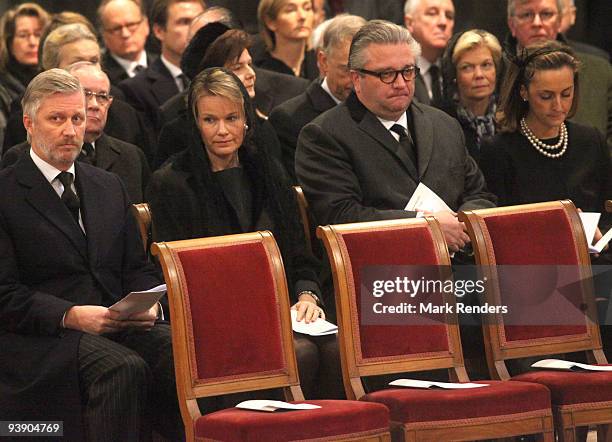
231	332
501	410
543	234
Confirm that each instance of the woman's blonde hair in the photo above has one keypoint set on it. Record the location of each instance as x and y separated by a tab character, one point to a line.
216	82
477	38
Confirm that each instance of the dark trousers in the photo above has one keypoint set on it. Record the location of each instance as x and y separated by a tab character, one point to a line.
127	385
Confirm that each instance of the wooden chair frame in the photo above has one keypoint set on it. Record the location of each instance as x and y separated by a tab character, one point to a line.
567	418
142	213
303	209
353	368
188	387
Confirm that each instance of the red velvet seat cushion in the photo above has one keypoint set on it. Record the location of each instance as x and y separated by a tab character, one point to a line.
333	419
425	405
568	387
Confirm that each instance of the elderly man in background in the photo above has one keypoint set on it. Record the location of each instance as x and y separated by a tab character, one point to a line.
431	24
333	87
124	28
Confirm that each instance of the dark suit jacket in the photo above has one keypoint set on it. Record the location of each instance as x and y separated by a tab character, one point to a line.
48	265
148	90
420	90
112	155
116	73
290	117
346	162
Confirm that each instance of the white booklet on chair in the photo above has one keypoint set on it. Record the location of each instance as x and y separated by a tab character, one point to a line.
320	327
559	364
267	405
427	200
136	302
416	383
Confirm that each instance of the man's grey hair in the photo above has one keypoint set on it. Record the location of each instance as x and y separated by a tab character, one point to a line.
85	65
379	32
45	84
60	37
512	6
341	28
410	6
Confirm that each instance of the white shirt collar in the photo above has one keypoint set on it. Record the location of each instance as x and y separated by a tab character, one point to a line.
129	65
50	172
402	121
174	70
326	88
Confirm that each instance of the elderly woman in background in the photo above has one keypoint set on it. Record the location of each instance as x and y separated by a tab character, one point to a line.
470	65
20	32
225	182
285	27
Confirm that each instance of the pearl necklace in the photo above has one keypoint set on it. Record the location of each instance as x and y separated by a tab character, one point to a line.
542	147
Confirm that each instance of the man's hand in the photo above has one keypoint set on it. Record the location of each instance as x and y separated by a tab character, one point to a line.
308	310
93	319
97	320
455	232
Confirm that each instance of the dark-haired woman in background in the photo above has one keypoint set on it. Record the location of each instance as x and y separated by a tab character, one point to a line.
285	27
470	65
20	32
225	182
539	155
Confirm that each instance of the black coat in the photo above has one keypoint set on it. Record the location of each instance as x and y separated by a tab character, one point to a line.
290	117
112	155
310	69
348	166
47	265
187	202
116	73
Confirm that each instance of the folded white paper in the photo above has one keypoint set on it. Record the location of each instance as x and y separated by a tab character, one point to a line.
599	245
266	405
560	364
136	302
416	383
320	327
426	200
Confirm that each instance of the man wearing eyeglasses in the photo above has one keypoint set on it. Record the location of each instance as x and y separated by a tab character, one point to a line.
100	149
363	160
532	21
124	28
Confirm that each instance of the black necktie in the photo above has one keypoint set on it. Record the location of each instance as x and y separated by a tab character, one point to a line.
406	146
138	68
88	154
436	84
69	197
184	81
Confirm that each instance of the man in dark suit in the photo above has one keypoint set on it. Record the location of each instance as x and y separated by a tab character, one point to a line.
363	159
101	150
70	249
164	78
431	23
124	27
322	94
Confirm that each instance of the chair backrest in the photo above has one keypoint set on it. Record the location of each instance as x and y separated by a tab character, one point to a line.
229	308
535	260
142	212
304	215
362	251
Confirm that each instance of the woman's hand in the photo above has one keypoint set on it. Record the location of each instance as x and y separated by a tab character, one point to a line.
308	310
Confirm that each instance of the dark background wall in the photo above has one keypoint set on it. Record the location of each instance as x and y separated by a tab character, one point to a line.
593	24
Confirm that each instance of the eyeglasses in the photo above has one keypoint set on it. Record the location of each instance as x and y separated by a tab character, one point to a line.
103	98
408	73
132	27
529	16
